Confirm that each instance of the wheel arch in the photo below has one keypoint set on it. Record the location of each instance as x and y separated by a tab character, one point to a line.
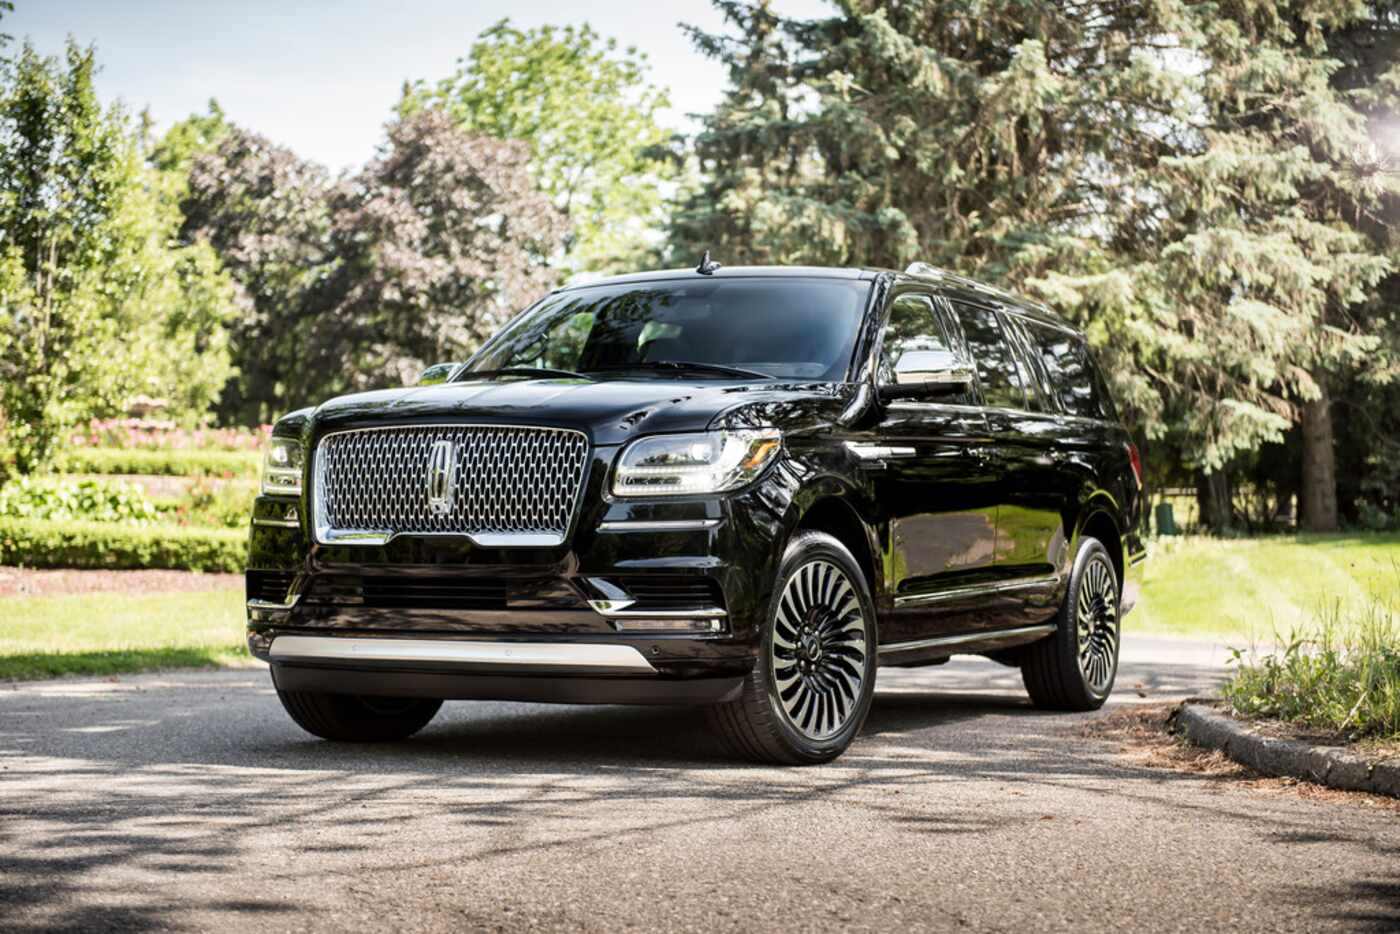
1097	521
833	507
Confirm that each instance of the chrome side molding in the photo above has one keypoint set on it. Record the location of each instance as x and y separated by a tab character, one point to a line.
974	590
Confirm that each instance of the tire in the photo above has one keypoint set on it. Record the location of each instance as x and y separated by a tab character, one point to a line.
352	718
814	679
1074	669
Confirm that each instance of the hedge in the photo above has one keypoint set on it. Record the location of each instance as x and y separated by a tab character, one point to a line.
43	544
165	462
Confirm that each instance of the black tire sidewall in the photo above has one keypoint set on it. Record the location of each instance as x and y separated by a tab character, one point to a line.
805	547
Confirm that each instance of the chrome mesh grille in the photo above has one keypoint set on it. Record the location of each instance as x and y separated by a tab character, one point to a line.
513	485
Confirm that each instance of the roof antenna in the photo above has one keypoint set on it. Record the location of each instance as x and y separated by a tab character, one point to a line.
707	266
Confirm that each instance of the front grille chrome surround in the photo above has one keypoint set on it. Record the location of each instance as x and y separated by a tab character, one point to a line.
504	485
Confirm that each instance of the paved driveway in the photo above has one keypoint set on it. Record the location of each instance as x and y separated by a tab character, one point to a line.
190	802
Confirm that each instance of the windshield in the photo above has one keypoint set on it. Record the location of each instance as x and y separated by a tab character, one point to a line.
780	328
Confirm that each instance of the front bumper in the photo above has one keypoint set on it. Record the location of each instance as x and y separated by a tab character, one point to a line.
569	673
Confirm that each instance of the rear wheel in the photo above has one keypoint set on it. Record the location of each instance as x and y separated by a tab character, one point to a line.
355	718
812	684
1075	668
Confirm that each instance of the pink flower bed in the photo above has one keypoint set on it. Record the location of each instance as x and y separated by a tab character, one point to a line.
155	435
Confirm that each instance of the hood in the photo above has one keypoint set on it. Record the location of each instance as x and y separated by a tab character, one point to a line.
610	411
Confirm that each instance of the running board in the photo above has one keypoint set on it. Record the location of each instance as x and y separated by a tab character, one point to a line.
989	638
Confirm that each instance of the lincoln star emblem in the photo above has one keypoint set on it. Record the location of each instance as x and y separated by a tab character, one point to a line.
442	477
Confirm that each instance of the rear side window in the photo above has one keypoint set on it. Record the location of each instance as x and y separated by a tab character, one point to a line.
1073	377
997	373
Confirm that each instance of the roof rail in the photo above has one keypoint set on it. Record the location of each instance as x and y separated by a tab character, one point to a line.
930	271
925	271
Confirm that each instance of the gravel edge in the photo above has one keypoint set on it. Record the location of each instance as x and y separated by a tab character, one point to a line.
1331	766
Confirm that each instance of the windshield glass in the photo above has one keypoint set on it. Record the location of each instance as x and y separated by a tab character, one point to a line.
783	328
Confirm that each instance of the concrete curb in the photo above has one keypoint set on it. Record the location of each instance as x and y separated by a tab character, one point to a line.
1332	766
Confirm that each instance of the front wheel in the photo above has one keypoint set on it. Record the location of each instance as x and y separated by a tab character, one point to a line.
1074	669
355	718
812	684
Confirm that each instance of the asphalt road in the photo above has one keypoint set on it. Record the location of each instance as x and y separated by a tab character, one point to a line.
189	801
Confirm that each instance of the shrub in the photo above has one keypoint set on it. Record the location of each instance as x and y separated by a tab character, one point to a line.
40	543
218	503
62	498
175	463
1344	676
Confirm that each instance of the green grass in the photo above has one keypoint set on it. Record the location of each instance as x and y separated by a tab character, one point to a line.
1261	589
101	634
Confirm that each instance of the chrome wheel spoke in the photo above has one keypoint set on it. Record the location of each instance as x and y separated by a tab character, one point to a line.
1096	623
818	651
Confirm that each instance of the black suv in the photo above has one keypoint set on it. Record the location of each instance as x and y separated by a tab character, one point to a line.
740	488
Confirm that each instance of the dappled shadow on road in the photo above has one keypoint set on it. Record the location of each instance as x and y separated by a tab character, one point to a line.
200	788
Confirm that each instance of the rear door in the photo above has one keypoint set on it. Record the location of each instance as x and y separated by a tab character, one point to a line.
1024	429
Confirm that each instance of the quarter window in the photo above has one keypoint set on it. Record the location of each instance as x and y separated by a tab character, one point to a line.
997	373
1073	378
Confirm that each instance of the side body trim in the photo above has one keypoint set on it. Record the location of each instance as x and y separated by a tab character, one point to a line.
955	593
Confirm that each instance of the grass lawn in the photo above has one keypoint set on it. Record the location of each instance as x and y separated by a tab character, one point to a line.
1240	590
99	634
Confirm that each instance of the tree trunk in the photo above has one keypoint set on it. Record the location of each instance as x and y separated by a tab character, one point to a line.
1213	501
1317	497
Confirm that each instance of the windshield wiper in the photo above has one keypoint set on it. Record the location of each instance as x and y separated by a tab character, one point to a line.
688	366
538	371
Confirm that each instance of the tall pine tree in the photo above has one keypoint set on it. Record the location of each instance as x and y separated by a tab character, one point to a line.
1186	180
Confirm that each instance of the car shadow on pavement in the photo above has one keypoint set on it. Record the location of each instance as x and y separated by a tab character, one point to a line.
197	784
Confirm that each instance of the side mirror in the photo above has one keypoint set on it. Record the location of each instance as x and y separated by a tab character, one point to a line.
437	373
921	373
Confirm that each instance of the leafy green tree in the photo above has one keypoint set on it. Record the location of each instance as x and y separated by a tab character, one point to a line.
96	305
589	114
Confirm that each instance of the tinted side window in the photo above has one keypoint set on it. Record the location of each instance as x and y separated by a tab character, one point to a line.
1072	376
997	372
914	326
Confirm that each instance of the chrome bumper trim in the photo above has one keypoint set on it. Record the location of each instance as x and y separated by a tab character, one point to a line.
577	655
271	605
944	641
668	525
617	609
279	523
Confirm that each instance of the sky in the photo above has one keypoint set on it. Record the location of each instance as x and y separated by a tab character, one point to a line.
321	75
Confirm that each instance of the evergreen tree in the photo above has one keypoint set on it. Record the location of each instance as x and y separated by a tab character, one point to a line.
1180	178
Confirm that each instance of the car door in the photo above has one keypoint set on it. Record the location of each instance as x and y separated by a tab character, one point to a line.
1031	537
926	459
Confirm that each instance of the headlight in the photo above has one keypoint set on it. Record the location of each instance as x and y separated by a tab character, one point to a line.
711	462
282	467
